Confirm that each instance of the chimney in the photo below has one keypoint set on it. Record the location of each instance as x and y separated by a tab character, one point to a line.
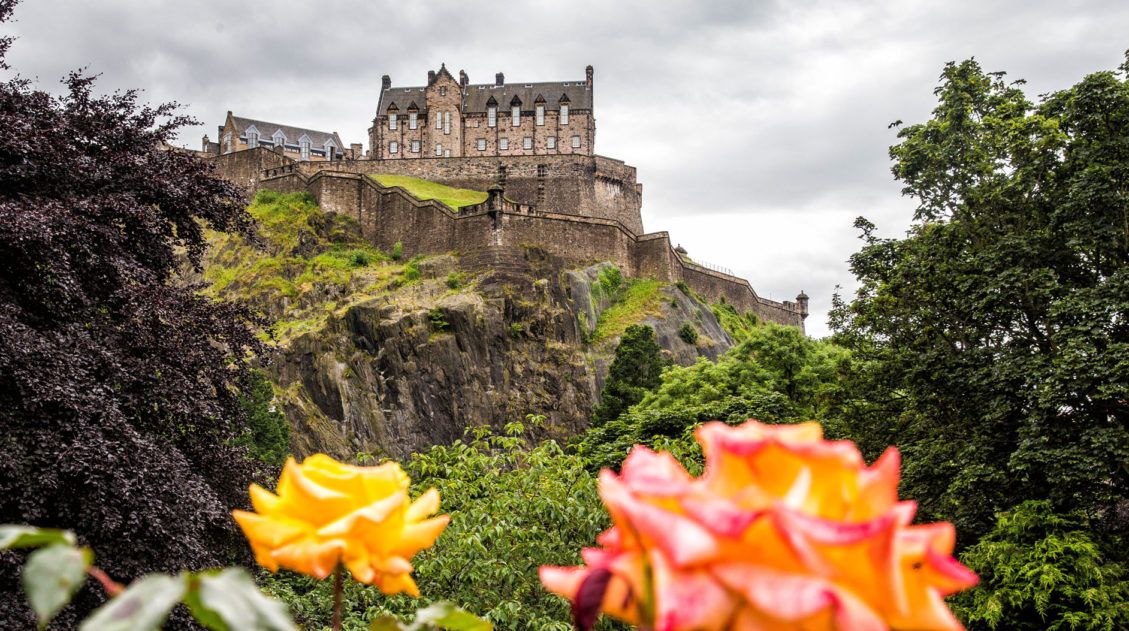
430	77
385	82
588	76
355	151
499	79
463	79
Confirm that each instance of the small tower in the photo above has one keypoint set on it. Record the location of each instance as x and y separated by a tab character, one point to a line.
802	303
588	76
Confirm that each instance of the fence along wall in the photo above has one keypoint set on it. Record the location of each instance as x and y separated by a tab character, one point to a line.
388	215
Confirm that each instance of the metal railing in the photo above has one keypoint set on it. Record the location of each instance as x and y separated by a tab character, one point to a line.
711	266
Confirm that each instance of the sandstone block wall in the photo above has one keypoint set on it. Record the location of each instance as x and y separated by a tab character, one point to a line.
389	215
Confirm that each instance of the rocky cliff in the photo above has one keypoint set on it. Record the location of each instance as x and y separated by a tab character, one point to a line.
372	354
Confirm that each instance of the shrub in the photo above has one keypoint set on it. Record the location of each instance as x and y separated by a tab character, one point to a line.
438	319
688	333
397	251
454	280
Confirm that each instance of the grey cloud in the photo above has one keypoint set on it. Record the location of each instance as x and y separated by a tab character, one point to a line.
761	119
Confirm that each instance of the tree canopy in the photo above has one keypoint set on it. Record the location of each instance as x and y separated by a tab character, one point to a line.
119	389
993	340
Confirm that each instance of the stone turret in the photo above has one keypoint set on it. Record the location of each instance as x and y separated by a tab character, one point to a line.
802	303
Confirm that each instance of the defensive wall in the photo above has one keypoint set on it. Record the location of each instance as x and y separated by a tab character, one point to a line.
593	186
501	226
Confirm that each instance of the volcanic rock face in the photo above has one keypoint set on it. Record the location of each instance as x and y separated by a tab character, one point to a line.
400	372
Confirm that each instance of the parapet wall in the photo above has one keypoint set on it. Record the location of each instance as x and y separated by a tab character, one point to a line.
390	215
592	186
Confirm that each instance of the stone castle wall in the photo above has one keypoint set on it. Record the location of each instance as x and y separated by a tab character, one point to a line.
389	215
593	186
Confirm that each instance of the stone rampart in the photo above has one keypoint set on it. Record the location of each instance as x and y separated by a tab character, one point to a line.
390	215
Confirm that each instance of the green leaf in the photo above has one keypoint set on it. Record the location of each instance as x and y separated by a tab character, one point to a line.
143	606
51	577
447	616
386	623
229	600
12	536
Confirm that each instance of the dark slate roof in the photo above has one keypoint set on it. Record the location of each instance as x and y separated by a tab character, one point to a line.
402	97
579	95
266	131
474	100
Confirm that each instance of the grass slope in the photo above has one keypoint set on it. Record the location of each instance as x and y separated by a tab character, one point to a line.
425	189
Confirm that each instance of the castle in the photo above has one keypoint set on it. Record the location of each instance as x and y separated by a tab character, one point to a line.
531	145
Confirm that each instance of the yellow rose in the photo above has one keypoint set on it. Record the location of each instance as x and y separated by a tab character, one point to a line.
327	513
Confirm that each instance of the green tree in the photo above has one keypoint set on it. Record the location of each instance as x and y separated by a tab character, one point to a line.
993	341
637	368
267	438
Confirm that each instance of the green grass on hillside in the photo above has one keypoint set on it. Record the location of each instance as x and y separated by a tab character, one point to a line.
425	189
640	298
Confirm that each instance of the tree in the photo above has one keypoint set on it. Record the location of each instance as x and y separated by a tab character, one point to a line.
637	368
119	389
993	341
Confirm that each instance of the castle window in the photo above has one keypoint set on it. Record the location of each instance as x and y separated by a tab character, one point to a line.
576	142
527	143
415	146
446	122
515	113
304	150
491	117
442	91
504	144
413	120
438	149
438	120
252	139
564	114
540	114
551	142
393	147
482	144
446	153
391	121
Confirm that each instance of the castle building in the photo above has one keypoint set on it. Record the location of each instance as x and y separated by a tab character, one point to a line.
239	134
449	118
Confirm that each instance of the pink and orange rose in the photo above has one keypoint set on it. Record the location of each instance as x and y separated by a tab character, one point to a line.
784	530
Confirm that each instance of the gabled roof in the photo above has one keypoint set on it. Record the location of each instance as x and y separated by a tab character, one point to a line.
267	130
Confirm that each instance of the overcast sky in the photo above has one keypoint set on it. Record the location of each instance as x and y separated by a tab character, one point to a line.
759	129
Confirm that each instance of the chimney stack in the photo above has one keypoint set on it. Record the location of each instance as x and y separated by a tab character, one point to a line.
499	79
385	82
430	77
588	76
355	151
463	79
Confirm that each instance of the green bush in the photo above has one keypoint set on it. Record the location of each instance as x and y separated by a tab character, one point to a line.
268	434
438	319
397	251
454	280
687	333
1042	570
411	270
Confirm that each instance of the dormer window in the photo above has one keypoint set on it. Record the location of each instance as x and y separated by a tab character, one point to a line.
279	140
330	150
252	139
564	113
304	148
392	121
227	142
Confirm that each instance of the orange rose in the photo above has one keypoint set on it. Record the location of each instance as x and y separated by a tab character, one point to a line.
327	513
784	530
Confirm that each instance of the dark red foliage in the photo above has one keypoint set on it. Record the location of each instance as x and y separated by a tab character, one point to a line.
118	387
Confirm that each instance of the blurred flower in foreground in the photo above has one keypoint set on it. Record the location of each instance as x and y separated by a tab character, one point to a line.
327	513
784	530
